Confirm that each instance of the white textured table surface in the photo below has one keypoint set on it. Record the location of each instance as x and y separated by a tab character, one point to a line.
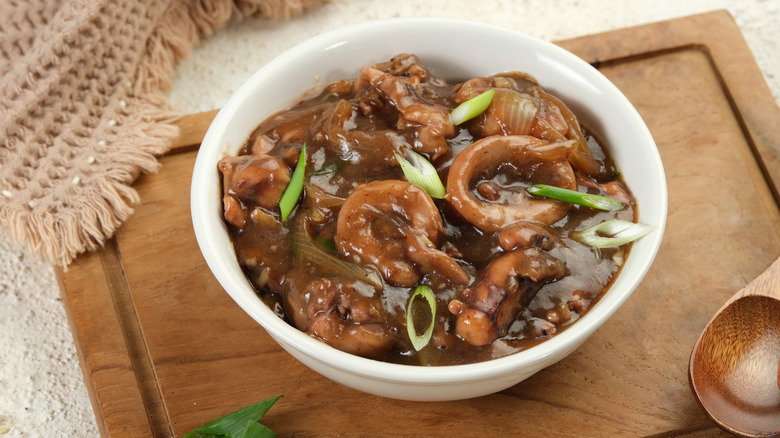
42	391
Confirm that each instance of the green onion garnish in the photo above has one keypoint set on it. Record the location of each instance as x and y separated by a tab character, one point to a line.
241	423
420	341
330	168
472	107
421	173
294	188
575	197
612	233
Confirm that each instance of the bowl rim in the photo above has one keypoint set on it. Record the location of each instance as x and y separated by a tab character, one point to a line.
392	372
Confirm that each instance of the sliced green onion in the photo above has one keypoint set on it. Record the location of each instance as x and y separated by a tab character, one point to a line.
575	197
327	97
293	191
421	173
420	341
328	244
243	422
472	107
330	168
612	233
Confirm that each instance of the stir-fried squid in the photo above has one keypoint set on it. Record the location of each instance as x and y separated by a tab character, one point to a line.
500	261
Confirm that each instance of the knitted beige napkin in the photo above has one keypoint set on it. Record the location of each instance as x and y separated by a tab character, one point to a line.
81	110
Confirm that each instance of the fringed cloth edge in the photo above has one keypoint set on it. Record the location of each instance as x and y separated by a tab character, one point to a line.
75	191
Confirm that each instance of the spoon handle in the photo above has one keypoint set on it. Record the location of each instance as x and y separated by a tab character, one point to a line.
767	284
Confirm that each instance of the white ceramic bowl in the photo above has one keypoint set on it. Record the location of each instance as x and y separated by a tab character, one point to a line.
453	50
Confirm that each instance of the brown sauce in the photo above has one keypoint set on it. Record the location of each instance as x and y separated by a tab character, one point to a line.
343	265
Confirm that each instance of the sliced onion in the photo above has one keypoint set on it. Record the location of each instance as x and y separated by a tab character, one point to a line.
307	249
581	158
516	112
612	233
420	341
321	198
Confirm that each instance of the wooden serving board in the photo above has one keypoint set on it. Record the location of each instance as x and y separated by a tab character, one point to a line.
164	349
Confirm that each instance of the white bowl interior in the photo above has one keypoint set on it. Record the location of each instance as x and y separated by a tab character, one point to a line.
454	50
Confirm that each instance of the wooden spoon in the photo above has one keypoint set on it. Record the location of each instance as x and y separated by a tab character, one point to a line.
734	369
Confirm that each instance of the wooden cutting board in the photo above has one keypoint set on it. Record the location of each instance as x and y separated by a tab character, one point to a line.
164	349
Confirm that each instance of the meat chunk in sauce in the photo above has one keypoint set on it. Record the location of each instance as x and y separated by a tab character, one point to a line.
251	181
507	286
337	313
395	227
526	161
401	82
504	271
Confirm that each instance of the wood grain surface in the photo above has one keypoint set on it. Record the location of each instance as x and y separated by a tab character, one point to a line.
164	349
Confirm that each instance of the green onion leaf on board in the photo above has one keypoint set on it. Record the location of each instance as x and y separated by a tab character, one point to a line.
612	233
294	188
575	197
421	173
243	423
420	341
257	430
472	107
